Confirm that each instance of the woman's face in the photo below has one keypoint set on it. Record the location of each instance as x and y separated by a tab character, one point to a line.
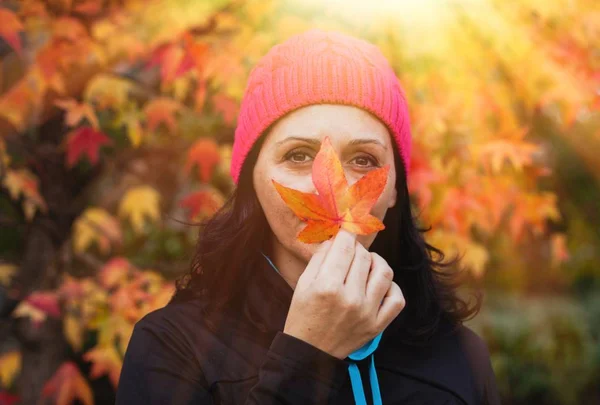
362	144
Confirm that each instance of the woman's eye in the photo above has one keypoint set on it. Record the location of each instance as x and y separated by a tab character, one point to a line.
361	160
289	156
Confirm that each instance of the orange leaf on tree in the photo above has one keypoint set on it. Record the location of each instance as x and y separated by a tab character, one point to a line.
77	112
205	154
162	110
336	205
202	203
67	384
105	360
173	60
85	140
89	7
10	26
22	182
227	106
113	272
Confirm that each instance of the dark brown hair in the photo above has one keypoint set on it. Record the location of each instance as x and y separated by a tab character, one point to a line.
429	284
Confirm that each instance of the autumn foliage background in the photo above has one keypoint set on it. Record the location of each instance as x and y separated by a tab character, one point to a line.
116	125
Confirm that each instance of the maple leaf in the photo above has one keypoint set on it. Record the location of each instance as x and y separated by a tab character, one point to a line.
10	366
7	271
105	360
37	306
22	182
10	26
114	327
173	60
67	384
6	398
162	110
89	7
129	116
96	225
85	140
77	112
140	203
107	91
73	330
205	154
46	301
200	95
336	205
227	106
69	28
113	272
202	204
159	299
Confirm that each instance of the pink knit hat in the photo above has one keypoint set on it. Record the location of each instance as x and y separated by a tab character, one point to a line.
320	67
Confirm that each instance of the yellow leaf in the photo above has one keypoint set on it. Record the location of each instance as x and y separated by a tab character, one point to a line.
129	115
475	258
7	271
138	204
10	366
96	225
73	330
107	91
23	183
26	310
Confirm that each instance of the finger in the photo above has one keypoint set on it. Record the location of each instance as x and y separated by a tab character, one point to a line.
316	261
356	281
393	304
378	283
338	258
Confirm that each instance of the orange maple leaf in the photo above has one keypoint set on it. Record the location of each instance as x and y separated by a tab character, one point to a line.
336	205
105	360
76	112
67	384
10	26
162	110
205	154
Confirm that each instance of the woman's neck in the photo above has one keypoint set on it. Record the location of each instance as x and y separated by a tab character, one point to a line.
290	267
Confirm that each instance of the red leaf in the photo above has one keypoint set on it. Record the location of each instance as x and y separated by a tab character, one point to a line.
7	398
202	202
46	301
85	140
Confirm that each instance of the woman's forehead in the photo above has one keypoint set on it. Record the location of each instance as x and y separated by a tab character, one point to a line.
342	123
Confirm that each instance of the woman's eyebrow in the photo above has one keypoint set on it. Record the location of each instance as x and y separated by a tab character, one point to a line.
314	141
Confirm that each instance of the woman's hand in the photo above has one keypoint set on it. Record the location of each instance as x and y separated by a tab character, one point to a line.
337	304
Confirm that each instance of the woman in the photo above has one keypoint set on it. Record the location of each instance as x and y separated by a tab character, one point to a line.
263	318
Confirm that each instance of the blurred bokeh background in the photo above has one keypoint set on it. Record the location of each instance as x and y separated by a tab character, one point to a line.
116	124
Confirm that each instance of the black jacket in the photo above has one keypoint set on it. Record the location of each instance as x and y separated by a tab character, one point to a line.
173	358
